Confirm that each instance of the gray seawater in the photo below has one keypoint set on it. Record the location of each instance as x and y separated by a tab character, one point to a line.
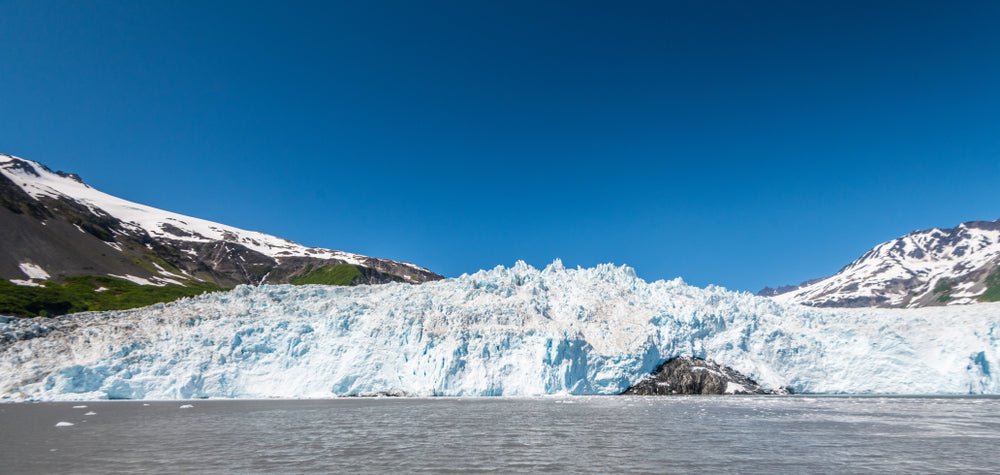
795	434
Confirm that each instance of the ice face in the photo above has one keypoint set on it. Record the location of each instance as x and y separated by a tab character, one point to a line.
505	331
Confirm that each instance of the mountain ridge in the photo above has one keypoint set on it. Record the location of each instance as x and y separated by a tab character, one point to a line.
937	266
56	227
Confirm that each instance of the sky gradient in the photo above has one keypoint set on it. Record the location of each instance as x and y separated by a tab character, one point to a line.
740	144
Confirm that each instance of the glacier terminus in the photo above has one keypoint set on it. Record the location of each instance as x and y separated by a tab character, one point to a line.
508	331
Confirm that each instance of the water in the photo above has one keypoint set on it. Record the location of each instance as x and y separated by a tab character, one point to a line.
448	435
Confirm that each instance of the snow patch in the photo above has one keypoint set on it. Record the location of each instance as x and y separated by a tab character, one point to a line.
167	273
138	280
161	281
33	271
26	283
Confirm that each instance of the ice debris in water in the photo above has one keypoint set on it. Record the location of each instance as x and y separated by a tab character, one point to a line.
64	424
91	413
79	407
186	406
504	331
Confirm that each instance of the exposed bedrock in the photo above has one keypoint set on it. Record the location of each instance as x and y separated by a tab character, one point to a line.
688	375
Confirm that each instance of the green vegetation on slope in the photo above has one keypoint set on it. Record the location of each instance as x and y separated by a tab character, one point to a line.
80	294
341	274
992	293
944	287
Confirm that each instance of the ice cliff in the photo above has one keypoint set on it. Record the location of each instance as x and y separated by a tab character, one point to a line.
505	331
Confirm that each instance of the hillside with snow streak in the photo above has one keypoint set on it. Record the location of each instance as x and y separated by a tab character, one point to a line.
505	331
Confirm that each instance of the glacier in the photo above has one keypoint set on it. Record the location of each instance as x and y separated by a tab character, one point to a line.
508	331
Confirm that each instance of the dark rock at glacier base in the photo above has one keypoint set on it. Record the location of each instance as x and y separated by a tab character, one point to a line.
688	375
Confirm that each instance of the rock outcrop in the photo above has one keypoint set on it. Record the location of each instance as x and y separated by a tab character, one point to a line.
689	375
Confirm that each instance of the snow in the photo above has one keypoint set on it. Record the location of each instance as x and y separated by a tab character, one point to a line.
138	280
33	271
167	273
156	222
164	281
26	283
735	388
515	331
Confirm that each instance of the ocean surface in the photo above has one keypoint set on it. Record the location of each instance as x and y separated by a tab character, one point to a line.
774	434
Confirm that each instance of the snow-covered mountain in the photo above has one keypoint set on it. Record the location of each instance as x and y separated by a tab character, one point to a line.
505	331
53	225
953	266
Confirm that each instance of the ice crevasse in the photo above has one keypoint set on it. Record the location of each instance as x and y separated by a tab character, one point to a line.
504	331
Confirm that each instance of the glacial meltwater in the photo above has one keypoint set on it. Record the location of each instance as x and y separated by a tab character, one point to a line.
602	434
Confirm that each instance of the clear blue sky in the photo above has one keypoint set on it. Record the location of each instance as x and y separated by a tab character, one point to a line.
741	144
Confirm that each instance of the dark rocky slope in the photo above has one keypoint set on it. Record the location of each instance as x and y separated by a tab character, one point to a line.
54	228
66	237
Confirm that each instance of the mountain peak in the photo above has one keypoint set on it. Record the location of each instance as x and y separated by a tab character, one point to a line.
56	222
29	167
19	165
934	266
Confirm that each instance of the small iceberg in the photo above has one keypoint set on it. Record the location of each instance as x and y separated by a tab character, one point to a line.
186	406
64	424
79	407
91	413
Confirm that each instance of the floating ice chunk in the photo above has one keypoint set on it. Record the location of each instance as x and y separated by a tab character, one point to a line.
79	407
186	406
91	413
64	424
